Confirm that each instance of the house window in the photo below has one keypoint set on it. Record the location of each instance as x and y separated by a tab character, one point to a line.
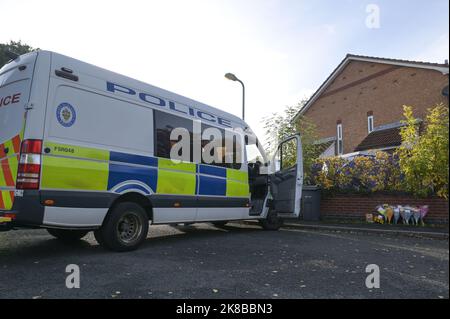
370	123
340	143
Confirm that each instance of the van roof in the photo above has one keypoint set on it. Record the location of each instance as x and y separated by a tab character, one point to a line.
95	71
22	59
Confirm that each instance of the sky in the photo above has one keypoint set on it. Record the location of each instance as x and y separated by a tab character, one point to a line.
281	49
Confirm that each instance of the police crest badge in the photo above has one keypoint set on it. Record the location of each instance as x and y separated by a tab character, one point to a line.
65	114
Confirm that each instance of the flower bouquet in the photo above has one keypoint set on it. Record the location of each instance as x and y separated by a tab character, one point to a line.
397	214
416	215
406	214
389	213
381	214
423	212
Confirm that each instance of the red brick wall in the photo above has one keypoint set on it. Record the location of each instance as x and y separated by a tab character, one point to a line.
384	95
355	207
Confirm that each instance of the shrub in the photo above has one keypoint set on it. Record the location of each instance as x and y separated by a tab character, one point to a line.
362	174
424	157
419	166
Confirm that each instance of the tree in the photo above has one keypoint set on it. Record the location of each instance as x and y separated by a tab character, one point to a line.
16	47
279	126
424	157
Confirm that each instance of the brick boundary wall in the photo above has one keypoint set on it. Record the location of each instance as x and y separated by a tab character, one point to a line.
356	206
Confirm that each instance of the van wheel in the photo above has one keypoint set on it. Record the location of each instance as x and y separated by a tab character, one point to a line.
272	221
220	224
124	229
67	235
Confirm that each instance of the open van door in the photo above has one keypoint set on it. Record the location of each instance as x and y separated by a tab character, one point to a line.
286	181
15	85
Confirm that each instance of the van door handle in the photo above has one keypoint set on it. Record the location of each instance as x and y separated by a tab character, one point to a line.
66	75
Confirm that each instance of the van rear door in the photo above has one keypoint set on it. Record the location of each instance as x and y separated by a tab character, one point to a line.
15	85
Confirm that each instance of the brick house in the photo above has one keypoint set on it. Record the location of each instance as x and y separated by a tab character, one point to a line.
360	105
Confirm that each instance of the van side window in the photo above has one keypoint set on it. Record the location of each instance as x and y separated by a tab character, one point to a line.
288	154
227	152
164	124
236	152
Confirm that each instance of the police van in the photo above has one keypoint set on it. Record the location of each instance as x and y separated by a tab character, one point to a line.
85	149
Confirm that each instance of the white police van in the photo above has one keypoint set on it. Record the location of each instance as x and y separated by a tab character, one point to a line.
85	149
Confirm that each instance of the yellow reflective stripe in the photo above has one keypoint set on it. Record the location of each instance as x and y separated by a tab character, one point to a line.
237	183
237	175
77	151
70	173
237	189
13	165
2	177
179	183
5	219
9	144
177	165
7	202
10	164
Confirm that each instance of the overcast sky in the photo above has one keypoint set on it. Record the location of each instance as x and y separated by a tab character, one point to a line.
282	49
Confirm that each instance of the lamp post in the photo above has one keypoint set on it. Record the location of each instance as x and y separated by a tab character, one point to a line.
232	77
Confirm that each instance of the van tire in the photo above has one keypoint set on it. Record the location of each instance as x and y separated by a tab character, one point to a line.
67	235
124	229
272	221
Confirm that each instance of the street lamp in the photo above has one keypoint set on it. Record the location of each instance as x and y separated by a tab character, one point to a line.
232	77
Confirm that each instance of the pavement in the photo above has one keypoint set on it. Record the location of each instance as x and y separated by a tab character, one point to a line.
237	261
431	231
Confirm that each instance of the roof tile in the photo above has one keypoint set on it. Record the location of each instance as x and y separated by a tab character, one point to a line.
380	139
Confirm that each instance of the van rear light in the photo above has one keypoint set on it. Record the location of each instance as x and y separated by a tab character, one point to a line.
31	147
29	170
12	216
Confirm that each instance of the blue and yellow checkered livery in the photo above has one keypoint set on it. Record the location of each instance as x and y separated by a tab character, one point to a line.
68	167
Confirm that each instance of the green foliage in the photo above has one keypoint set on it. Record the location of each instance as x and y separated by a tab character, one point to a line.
329	173
419	166
279	126
16	47
362	174
424	157
387	175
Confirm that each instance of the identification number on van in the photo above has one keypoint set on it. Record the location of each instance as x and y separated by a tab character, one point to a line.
61	149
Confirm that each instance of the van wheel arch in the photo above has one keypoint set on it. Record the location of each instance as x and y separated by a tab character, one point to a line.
137	198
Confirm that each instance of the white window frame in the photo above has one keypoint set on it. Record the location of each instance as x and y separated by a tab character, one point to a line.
370	124
340	139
